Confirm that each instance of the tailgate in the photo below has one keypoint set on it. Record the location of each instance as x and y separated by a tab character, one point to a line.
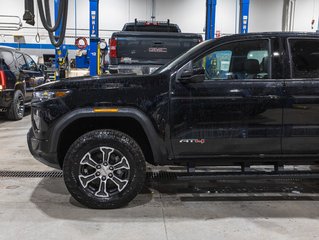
153	48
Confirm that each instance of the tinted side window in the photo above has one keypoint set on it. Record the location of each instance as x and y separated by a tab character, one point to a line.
21	61
31	64
7	61
305	58
237	60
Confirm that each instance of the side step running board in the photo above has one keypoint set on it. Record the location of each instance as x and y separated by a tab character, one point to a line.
247	175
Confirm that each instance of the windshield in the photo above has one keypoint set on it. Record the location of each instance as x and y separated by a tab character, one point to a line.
171	64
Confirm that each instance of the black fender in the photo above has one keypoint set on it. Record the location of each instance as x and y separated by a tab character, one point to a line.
157	144
21	85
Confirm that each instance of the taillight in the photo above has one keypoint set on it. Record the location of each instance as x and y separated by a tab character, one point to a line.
3	80
113	45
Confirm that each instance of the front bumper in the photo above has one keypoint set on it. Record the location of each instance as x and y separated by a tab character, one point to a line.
37	149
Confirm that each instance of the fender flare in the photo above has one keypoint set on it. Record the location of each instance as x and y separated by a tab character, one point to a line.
157	144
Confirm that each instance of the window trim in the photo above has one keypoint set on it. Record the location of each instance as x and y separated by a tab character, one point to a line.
210	50
25	58
15	57
292	78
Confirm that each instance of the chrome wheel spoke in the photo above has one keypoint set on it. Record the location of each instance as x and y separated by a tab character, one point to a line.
122	164
85	180
102	189
106	154
87	160
121	184
104	172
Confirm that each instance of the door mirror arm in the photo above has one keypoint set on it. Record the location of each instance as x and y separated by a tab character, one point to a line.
196	75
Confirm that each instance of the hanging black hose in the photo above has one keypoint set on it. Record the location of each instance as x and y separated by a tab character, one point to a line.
29	12
61	20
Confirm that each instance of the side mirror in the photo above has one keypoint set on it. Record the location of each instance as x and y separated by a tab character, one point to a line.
195	76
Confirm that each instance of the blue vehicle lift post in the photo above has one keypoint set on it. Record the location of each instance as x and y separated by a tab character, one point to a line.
94	36
210	19
244	15
58	31
61	52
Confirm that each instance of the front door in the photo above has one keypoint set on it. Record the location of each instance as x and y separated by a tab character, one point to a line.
236	110
34	77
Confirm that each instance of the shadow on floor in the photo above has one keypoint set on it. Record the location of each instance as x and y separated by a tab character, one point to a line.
192	200
4	120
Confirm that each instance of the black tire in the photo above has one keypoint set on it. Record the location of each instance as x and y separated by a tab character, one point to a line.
90	146
17	108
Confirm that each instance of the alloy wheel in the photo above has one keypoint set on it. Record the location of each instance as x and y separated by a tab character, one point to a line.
104	172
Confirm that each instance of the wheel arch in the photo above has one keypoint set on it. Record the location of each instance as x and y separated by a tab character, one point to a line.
128	120
20	86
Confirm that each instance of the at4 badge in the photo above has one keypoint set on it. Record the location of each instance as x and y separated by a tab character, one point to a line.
198	141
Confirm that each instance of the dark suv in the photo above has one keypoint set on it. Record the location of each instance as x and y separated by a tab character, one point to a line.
241	100
19	74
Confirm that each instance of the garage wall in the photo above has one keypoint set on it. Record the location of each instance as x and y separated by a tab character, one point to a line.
306	10
265	15
226	14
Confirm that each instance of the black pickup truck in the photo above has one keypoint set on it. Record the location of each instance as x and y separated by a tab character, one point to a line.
142	47
241	100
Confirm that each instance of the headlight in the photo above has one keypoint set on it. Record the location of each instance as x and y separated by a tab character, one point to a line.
47	95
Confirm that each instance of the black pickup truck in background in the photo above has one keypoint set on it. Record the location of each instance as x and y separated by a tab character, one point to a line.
142	47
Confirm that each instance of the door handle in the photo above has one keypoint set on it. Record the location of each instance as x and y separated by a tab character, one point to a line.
274	97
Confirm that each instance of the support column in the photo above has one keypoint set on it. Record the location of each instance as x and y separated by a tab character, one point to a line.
60	52
94	36
57	33
210	19
244	16
288	15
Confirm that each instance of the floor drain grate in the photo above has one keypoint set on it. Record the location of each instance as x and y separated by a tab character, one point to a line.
161	176
154	176
31	174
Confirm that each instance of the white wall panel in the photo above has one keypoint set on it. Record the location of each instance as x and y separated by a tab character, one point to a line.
306	10
265	15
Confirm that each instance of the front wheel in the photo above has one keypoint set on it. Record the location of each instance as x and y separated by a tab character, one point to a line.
104	169
16	110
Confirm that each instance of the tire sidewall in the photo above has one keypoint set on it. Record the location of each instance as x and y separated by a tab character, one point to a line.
13	111
104	138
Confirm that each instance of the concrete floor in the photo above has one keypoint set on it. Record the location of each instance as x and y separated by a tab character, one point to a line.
41	208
